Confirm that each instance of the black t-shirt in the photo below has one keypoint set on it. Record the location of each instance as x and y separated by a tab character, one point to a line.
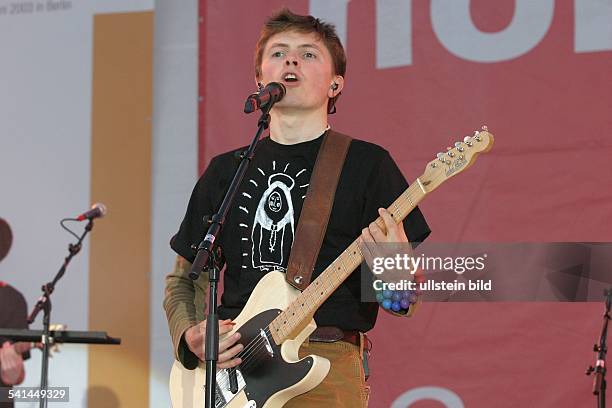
13	315
260	228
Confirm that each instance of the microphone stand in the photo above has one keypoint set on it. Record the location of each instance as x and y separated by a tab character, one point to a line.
206	258
599	382
44	304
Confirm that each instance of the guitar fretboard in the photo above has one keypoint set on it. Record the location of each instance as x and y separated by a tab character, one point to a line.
291	321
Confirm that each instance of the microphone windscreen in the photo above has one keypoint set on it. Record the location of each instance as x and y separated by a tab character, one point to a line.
100	207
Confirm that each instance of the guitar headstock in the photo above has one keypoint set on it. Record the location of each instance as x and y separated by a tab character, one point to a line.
456	159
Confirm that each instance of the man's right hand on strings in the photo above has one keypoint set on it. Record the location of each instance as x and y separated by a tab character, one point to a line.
195	338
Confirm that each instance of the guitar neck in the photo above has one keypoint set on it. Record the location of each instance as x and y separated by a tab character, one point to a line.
291	321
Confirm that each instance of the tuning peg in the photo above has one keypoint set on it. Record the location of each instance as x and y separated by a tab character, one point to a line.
450	154
458	147
442	158
485	128
468	141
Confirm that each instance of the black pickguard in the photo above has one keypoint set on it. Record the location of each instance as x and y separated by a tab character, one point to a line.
266	375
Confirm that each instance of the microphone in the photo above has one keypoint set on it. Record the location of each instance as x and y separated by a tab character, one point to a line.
272	93
98	210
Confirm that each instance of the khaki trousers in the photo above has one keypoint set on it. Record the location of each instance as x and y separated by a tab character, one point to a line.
344	386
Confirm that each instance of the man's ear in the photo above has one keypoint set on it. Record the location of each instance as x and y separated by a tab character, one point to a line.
336	86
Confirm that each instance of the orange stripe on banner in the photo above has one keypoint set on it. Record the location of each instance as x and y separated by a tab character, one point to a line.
121	178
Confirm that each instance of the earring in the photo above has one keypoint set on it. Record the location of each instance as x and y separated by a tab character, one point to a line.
334	86
259	86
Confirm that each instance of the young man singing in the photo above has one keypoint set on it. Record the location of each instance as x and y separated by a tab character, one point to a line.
306	56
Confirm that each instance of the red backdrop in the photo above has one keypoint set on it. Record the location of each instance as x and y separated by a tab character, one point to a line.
547	178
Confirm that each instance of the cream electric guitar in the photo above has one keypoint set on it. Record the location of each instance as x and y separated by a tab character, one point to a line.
278	318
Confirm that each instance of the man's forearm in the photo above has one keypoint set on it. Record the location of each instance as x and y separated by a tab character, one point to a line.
179	302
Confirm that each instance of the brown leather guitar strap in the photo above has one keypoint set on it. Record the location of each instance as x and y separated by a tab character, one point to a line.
316	209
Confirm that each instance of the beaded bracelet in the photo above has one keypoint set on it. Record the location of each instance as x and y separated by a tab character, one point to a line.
401	302
398	301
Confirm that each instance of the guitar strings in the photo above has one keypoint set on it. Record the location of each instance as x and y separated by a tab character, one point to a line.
245	361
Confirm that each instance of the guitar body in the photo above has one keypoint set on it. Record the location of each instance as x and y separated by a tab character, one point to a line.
269	375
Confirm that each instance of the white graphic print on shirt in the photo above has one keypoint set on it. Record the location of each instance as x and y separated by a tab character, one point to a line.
270	197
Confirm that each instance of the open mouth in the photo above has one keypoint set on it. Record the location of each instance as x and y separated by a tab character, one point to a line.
290	77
